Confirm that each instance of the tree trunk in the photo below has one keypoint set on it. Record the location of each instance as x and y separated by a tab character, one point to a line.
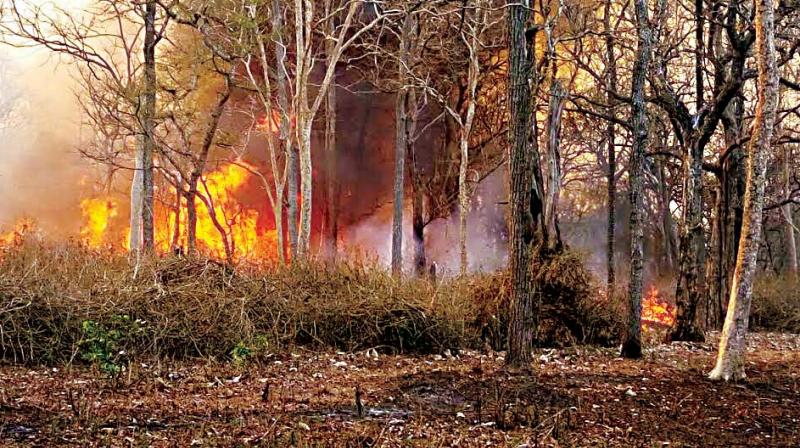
730	359
148	125
632	343
418	224
137	191
558	97
712	264
791	243
176	221
401	147
331	237
526	192
332	184
191	218
667	222
306	185
466	131
611	88
732	207
691	279
399	182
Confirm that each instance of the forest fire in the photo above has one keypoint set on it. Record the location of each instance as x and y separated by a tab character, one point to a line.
656	311
226	228
97	214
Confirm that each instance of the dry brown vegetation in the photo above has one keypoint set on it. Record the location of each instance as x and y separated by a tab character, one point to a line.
59	299
193	351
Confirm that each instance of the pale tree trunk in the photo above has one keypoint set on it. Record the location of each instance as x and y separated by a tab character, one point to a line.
305	111
732	346
303	12
558	97
473	73
611	88
632	343
148	124
526	192
137	187
791	243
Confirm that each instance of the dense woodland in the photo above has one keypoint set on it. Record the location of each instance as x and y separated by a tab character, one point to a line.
606	152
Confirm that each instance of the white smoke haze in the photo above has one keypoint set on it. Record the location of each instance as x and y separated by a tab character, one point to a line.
41	171
486	248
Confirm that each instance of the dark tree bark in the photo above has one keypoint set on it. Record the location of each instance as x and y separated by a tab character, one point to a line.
691	279
632	343
611	88
199	167
526	193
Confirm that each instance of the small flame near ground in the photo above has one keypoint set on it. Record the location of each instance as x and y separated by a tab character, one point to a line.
657	312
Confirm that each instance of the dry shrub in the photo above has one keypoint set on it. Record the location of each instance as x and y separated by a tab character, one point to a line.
58	301
776	303
184	308
572	309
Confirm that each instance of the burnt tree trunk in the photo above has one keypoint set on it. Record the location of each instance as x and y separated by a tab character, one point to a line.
732	347
632	342
526	192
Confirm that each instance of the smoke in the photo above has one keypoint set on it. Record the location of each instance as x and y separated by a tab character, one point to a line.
41	172
486	241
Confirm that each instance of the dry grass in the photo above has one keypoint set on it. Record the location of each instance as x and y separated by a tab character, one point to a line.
58	301
776	303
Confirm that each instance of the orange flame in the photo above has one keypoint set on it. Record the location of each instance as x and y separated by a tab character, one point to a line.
227	223
15	236
657	312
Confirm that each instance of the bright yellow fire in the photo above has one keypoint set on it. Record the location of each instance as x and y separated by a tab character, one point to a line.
221	220
98	213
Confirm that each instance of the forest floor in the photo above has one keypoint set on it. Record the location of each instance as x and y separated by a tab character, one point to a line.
579	396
